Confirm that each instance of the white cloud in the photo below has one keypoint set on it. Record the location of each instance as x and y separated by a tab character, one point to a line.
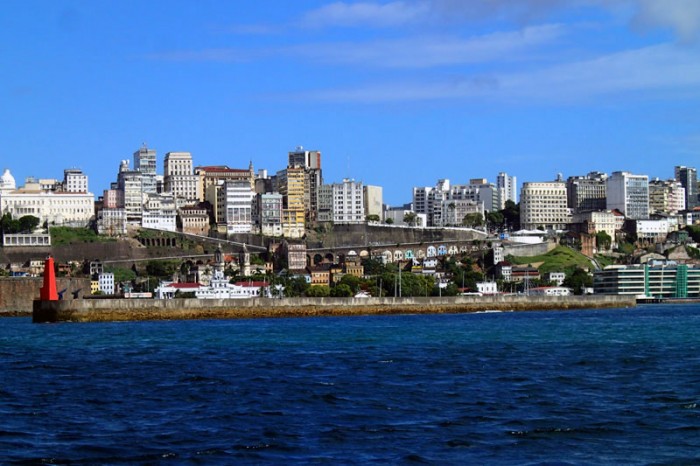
434	50
365	14
647	72
683	16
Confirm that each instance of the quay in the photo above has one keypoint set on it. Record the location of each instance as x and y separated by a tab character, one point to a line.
114	310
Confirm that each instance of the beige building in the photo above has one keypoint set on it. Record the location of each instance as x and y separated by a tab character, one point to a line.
604	220
291	186
179	178
544	205
213	175
194	220
374	201
666	197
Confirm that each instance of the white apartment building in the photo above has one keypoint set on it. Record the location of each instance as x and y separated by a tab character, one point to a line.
454	211
159	213
267	214
106	282
653	230
165	220
348	202
131	194
430	200
179	178
145	163
629	194
507	187
75	181
235	205
543	205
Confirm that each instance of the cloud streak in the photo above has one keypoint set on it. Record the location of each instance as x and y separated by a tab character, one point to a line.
366	14
434	51
648	70
680	16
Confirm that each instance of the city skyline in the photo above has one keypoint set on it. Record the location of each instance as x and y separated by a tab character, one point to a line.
396	94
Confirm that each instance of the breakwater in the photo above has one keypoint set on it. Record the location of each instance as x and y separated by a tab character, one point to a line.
110	310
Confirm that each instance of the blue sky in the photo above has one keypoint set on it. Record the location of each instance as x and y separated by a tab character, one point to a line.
394	93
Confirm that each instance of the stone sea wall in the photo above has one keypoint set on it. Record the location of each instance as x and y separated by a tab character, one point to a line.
98	310
17	293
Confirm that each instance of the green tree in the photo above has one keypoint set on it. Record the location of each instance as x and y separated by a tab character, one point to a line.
473	220
352	282
28	223
373	218
511	215
341	290
318	291
495	219
162	268
410	218
603	241
295	287
389	221
578	280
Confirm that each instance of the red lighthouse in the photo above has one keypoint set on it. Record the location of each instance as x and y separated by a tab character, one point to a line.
48	291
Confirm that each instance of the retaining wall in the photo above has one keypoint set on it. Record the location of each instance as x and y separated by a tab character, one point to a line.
17	293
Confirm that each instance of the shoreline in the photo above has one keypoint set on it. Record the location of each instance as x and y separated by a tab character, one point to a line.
116	310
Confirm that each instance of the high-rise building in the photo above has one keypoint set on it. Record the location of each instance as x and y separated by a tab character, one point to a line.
688	177
290	184
145	163
543	205
348	202
235	203
429	201
586	193
507	187
179	178
131	194
310	161
629	194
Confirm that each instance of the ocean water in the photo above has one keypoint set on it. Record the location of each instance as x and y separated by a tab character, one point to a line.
581	387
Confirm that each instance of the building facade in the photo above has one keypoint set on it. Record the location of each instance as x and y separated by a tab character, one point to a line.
659	280
544	206
629	194
688	178
666	197
179	178
586	193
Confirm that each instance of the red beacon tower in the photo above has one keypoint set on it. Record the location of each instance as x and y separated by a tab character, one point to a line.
49	292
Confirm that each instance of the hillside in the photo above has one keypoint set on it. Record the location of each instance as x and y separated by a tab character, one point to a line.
560	259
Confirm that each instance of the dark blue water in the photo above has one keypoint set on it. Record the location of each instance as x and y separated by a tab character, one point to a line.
583	387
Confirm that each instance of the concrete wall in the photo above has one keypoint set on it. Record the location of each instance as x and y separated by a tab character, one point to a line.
527	250
91	310
17	293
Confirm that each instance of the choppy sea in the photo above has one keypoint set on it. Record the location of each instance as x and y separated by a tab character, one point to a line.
579	387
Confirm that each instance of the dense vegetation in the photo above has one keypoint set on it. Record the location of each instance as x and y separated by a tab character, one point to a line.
68	235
